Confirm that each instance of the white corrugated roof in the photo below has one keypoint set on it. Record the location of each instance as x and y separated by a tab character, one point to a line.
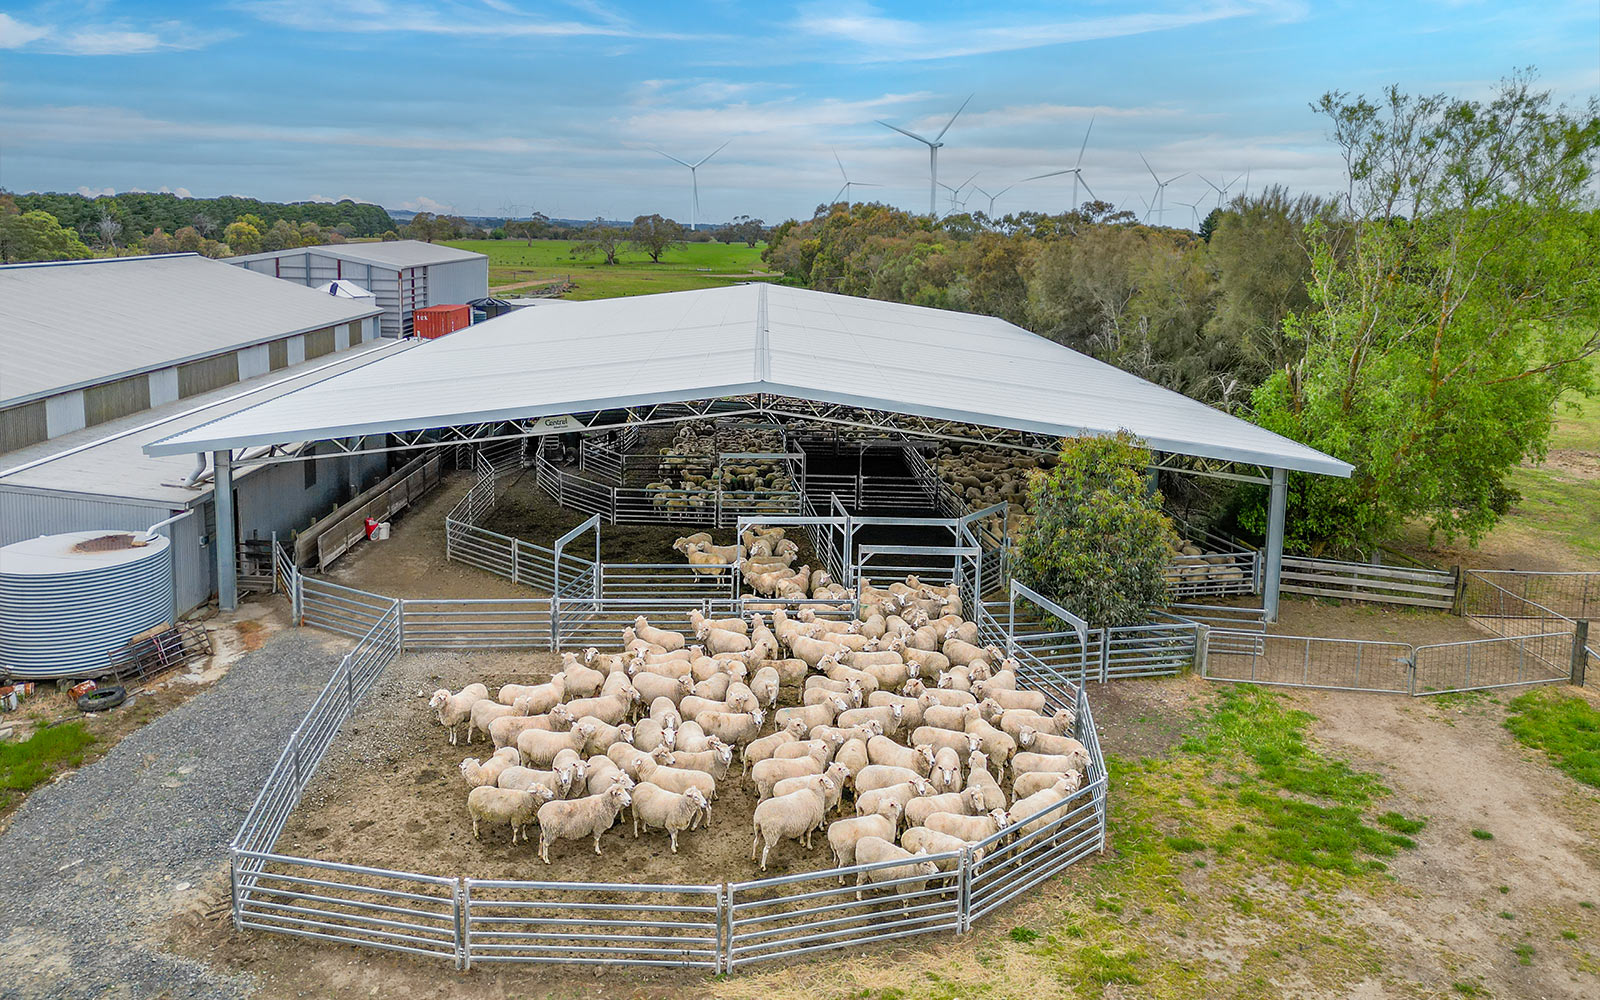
68	324
744	339
395	253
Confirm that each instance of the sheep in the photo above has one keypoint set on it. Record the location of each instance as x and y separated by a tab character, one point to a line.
814	715
735	728
1031	700
1059	724
1002	680
962	653
794	816
816	746
928	662
1040	800
539	748
874	850
819	689
1027	762
541	697
580	681
868	801
675	779
488	772
952	717
691	737
697	621
611	709
668	641
649	734
969	828
888	675
963	742
839	736
656	808
967	632
995	744
1035	741
674	668
968	802
630	759
766	746
713	688
505	730
605	735
852	756
910	708
516	809
920	839
946	774
882	775
693	705
947	696
653	687
586	817
890	717
832	793
1024	785
765	685
484	711
813	650
956	679
742	698
518	778
862	660
837	671
978	777
714	761
791	671
844	833
603	773
454	709
723	641
883	750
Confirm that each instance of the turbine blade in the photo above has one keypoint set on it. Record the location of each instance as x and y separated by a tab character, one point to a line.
1169	180
714	152
1085	141
839	192
1087	188
1209	184
904	132
1053	173
1003	190
953	117
1147	167
674	159
841	166
865	184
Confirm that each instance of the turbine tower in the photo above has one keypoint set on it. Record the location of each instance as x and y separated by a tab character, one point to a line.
933	153
1077	168
1159	200
694	180
848	183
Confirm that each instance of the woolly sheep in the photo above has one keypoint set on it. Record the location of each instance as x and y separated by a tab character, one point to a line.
766	685
767	773
734	728
883	750
719	640
697	621
488	804
910	708
963	742
714	761
630	758
1031	739
668	641
586	817
952	717
890	717
691	737
649	734
1059	724
978	777
488	772
839	736
968	803
830	783
969	828
675	779
946	773
946	696
852	756
653	687
557	782
713	688
1027	762
874	850
921	839
791	817
580	681
882	775
505	730
656	808
1024	785
813	715
605	735
539	748
843	834
1042	799
541	697
611	709
484	711
995	744
1031	700
454	709
905	791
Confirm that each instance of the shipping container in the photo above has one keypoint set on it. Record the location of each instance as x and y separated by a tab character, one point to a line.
436	321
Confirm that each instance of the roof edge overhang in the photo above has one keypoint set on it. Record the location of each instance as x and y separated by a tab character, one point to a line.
1324	465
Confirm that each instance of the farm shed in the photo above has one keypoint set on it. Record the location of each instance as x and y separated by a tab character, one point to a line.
404	275
88	341
100	477
761	350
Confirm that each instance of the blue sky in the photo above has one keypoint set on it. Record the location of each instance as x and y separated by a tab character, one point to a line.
492	106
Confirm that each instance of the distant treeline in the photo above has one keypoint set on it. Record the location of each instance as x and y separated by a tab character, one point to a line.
141	213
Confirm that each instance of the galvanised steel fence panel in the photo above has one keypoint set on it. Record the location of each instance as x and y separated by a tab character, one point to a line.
800	914
1481	664
1500	593
1157	649
600	623
1309	661
1008	864
487	550
593	923
1214	575
1226	624
669	581
338	608
506	623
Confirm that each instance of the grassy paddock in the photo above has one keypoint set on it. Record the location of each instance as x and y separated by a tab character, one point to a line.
35	760
1564	726
699	265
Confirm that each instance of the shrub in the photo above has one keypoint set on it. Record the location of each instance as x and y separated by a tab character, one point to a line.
1098	542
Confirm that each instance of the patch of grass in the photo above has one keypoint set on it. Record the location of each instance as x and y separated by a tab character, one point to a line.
1102	966
1482	834
1400	824
1507	915
1524	953
1022	935
35	760
1565	727
1469	989
1569	935
698	265
1186	845
1505	889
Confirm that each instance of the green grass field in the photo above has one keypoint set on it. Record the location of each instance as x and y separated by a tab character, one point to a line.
514	263
1561	498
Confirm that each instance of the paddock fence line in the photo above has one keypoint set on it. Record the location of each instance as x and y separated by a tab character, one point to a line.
1353	581
1493	593
1022	626
718	928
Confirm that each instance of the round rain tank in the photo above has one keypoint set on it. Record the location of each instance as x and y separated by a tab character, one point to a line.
67	601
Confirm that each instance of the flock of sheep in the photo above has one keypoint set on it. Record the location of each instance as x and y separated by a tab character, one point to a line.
899	712
764	560
693	461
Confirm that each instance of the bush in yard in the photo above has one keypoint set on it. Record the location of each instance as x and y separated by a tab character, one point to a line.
1098	542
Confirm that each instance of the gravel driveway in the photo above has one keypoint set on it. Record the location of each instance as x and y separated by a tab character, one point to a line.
89	862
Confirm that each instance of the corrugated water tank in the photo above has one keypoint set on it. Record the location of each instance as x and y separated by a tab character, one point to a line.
69	600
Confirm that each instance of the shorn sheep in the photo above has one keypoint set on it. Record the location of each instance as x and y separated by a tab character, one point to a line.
571	819
454	709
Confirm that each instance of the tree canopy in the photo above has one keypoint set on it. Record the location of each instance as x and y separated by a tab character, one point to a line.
653	236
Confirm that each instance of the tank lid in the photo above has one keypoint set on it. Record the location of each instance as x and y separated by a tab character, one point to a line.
77	552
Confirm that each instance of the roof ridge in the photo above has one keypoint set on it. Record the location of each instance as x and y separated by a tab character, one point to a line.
763	353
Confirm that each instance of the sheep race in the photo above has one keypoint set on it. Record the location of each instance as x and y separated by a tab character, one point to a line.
791	740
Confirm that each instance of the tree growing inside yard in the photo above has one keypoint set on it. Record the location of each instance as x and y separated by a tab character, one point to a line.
1457	301
1098	543
599	238
653	235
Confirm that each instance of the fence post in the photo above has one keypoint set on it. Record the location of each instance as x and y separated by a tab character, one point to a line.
1202	647
233	879
461	895
964	893
725	928
1105	654
1458	603
1580	652
400	624
297	602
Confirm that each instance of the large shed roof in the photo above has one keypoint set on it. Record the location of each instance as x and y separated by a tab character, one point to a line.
743	339
69	324
393	254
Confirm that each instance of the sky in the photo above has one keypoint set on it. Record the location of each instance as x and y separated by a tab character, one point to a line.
502	107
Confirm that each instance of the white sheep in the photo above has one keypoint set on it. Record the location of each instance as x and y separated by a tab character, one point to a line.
766	685
541	697
714	761
611	709
968	802
766	746
488	772
1027	763
518	778
505	730
539	748
952	717
1033	701
1025	807
691	737
486	710
516	809
1059	724
843	834
869	801
937	738
875	850
911	709
814	715
978	777
883	750
768	773
883	775
719	640
586	817
454	709
969	828
733	728
890	717
656	808
946	773
675	779
1024	785
830	783
698	621
654	687
668	641
1031	739
920	839
794	817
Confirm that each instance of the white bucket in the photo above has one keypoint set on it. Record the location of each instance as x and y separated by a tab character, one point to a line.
382	534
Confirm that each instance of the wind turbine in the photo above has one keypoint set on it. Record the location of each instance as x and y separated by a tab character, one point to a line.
694	179
1077	178
992	197
1077	168
955	192
1160	199
933	153
1222	192
1194	212
848	183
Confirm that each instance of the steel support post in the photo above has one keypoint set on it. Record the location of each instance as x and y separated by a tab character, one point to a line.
226	541
1274	568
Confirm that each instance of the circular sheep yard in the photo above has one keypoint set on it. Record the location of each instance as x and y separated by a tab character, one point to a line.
380	848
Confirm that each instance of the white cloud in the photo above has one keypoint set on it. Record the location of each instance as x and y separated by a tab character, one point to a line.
89	192
324	199
400	16
14	34
422	203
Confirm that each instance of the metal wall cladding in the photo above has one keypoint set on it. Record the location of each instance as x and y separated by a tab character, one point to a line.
66	624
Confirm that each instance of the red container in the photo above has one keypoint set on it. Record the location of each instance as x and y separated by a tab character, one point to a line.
435	321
